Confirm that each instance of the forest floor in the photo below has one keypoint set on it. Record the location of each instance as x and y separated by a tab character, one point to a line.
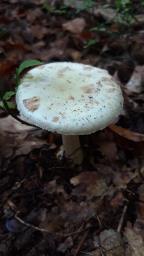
49	207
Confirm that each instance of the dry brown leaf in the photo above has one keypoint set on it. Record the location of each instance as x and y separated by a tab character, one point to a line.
33	16
75	26
140	203
15	138
139	18
7	67
121	179
109	150
96	252
135	242
74	213
74	54
118	200
11	125
135	84
126	133
112	243
89	184
107	13
137	51
39	32
50	221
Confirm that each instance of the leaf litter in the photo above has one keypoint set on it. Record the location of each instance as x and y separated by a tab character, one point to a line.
48	206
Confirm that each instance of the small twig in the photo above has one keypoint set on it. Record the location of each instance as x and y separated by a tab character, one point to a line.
122	219
30	225
87	253
45	230
99	221
81	243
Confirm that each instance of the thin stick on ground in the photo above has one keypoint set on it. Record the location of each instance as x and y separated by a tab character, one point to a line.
122	219
45	230
81	243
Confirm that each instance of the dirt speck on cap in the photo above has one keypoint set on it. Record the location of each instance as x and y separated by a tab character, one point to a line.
62	114
55	119
62	71
32	104
71	98
87	89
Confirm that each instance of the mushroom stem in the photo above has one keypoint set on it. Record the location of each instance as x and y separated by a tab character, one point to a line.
72	148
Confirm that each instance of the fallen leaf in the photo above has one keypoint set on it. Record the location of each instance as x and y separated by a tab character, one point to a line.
45	54
39	32
86	35
121	179
137	50
117	200
33	16
112	243
107	13
75	26
51	221
135	84
109	150
135	242
126	133
139	19
74	213
74	54
89	184
17	137
124	69
140	203
7	67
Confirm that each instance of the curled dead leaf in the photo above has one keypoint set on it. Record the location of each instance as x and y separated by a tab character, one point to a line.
126	133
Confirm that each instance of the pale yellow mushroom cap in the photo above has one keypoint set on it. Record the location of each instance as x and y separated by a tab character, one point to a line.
69	98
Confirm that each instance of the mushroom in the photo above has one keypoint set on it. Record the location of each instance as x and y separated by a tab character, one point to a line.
71	99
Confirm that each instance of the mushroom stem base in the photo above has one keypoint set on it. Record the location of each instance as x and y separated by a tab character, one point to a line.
72	148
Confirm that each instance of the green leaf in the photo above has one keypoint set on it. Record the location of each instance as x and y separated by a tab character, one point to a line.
8	95
90	43
48	8
1	105
11	105
27	64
